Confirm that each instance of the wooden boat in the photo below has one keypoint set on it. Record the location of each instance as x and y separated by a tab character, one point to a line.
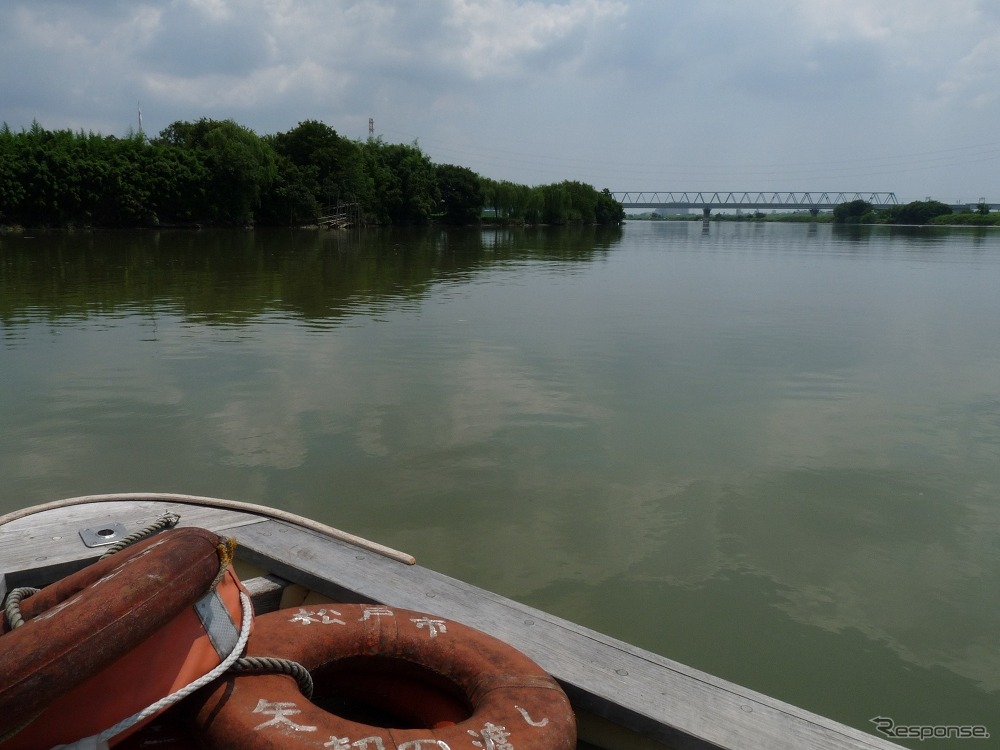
622	696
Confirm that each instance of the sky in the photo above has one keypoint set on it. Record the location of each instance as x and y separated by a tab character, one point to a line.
772	95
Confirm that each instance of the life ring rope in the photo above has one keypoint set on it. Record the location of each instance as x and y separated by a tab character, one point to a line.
12	606
271	665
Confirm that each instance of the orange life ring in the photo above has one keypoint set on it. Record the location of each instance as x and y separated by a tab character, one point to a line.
85	659
481	693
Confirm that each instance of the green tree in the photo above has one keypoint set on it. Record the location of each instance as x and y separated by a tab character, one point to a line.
556	203
405	181
241	164
12	192
531	203
582	202
508	200
338	162
851	212
608	210
921	212
291	197
462	194
179	183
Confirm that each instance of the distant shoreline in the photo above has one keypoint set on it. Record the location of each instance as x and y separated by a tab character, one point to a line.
991	220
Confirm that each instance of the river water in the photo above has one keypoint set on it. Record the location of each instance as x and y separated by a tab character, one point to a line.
771	452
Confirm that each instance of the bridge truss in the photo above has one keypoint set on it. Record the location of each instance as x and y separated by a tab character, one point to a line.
707	201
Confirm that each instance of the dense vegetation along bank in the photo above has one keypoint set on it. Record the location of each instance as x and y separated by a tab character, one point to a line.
220	172
915	212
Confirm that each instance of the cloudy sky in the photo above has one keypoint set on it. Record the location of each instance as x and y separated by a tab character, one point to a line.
843	95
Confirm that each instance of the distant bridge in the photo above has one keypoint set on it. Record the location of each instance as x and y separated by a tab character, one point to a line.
707	201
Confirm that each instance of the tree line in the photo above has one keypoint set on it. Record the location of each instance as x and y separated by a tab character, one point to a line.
915	212
220	172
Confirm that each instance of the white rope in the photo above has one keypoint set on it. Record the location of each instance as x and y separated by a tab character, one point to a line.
173	698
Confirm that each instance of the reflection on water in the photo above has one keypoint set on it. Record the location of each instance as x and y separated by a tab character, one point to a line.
226	277
766	451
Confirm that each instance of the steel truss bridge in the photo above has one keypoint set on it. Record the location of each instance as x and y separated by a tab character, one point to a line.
709	201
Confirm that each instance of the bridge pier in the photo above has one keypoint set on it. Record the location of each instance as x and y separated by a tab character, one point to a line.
705	211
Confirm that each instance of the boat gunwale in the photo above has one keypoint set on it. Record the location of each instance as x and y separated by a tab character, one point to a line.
213	502
614	680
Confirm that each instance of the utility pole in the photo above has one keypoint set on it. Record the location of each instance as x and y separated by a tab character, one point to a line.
371	127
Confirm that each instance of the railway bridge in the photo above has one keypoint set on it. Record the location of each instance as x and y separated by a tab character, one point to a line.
707	201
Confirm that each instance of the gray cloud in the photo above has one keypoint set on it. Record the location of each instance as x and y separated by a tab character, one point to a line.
816	95
231	45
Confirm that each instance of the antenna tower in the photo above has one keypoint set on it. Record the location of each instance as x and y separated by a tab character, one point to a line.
371	126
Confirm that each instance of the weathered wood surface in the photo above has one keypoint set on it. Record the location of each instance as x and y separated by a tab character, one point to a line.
677	705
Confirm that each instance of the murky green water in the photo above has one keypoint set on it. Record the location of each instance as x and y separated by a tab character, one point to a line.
770	452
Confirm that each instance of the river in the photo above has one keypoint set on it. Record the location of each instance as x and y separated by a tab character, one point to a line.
769	451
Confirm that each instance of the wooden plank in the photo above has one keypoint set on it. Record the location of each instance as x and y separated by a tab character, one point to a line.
680	706
265	592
